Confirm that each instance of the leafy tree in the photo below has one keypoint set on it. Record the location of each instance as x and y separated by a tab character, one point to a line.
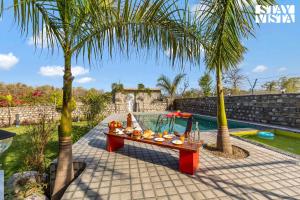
9	99
95	103
141	86
270	86
170	87
86	27
234	78
290	85
225	24
57	99
116	87
192	93
205	82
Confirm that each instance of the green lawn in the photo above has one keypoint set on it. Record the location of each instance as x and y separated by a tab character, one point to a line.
11	161
282	142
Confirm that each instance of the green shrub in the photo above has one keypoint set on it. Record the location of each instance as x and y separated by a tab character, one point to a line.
38	138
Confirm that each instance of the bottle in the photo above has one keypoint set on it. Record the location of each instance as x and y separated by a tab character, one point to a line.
129	120
197	133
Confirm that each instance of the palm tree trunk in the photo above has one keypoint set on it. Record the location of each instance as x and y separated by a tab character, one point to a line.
223	138
64	172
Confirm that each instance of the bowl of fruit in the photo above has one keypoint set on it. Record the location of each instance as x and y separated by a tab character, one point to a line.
136	134
114	124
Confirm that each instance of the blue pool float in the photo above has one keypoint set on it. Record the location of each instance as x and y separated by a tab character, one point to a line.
266	135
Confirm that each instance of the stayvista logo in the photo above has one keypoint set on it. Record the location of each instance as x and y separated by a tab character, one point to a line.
275	14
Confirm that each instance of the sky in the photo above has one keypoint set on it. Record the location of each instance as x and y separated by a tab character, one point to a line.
274	52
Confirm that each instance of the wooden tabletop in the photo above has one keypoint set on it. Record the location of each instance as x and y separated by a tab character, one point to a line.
167	143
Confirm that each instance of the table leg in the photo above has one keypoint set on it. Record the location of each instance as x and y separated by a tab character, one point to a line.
114	143
188	161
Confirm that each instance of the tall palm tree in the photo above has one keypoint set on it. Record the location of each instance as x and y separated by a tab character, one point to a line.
225	23
87	27
170	87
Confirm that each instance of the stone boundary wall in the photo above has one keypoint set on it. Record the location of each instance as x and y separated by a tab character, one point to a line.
275	109
30	114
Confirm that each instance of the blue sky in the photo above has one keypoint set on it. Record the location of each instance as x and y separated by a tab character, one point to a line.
273	53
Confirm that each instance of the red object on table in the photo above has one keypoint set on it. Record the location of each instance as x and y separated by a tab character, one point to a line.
188	153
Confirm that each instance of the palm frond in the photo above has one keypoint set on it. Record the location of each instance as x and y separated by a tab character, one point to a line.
89	27
165	83
177	80
170	87
226	23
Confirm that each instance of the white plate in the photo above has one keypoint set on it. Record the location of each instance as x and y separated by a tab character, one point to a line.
159	139
177	142
168	136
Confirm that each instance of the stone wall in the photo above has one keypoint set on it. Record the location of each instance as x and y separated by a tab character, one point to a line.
155	106
30	114
276	109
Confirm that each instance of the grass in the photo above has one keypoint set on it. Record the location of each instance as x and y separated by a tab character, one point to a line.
282	142
11	161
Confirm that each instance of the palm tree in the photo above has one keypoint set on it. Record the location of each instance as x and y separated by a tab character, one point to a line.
86	27
225	23
170	87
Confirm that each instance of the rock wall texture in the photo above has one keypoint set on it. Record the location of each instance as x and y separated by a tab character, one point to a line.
31	114
275	109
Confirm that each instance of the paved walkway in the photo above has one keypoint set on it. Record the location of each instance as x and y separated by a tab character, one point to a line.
142	171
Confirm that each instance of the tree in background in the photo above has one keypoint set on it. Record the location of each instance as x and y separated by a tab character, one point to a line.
116	87
9	100
270	86
234	78
170	87
141	86
185	86
56	98
289	85
205	83
225	24
95	103
191	93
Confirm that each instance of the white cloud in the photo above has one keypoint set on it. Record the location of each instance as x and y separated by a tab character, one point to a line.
59	70
85	80
40	41
282	69
260	69
78	70
7	61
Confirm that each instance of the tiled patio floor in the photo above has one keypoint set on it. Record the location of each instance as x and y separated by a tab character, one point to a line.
142	171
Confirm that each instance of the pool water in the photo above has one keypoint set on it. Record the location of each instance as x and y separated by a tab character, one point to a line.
149	121
283	142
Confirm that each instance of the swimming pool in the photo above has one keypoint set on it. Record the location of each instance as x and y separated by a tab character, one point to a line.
205	123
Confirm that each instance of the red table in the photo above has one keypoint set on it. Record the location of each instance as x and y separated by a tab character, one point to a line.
188	153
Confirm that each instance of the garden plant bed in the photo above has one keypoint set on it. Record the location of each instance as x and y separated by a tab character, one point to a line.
12	159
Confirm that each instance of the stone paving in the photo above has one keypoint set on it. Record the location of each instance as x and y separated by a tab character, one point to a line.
142	171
